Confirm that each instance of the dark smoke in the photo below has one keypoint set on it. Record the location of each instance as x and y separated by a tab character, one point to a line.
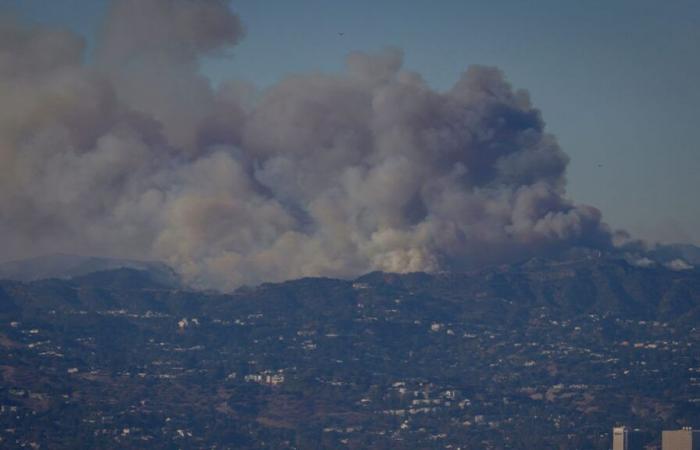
137	155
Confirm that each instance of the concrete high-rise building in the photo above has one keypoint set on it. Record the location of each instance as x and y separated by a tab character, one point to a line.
620	438
685	439
627	439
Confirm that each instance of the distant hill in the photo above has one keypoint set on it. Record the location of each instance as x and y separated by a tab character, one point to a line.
65	266
669	252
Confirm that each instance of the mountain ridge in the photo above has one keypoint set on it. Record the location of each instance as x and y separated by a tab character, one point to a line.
67	266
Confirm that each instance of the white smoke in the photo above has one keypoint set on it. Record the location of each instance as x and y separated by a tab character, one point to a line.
138	156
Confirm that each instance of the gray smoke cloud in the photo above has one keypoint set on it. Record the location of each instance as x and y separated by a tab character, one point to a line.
137	155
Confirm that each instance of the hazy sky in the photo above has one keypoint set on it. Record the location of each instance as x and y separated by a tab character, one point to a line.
617	81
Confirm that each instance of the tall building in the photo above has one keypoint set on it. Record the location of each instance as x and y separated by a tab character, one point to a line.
627	439
620	438
685	439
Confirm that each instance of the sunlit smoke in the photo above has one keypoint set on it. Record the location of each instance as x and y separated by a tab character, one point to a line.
137	155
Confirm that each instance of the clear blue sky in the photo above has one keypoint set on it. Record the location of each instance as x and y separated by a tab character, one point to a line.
616	80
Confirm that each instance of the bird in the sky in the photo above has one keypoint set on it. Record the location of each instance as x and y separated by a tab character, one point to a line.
341	34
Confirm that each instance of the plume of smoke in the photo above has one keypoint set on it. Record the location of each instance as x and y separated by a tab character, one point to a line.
138	156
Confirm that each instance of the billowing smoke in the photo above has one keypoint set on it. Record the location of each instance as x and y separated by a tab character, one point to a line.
135	154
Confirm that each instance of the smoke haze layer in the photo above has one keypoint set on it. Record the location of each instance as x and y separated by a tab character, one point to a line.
137	155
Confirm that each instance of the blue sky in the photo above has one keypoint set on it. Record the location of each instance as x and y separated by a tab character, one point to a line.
617	81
